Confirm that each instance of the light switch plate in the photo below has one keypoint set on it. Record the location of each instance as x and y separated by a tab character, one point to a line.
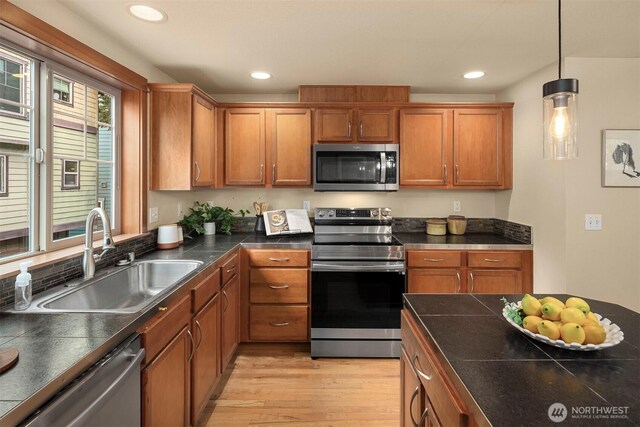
153	215
593	222
457	206
306	205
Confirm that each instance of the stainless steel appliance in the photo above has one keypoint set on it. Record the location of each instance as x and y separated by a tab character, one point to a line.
355	167
357	282
108	394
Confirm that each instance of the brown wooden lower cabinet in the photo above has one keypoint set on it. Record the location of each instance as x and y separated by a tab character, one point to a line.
435	280
495	281
279	322
206	358
436	402
230	320
165	384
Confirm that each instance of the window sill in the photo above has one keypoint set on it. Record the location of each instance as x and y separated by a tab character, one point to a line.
41	260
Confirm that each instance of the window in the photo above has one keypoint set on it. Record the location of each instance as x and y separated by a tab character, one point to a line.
12	75
4	174
78	135
70	174
62	90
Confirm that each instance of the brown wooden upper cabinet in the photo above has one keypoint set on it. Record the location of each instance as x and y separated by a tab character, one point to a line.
267	147
182	137
456	147
357	125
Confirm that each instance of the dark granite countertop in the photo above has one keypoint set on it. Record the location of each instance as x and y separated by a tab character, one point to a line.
506	378
477	241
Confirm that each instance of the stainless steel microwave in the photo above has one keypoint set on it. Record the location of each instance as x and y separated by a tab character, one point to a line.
355	167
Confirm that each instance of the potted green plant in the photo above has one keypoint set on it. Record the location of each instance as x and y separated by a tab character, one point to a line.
204	213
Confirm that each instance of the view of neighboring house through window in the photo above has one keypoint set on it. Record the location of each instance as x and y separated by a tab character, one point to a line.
62	90
16	148
70	174
77	153
4	175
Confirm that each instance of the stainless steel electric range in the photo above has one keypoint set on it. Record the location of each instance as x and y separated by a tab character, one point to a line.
357	282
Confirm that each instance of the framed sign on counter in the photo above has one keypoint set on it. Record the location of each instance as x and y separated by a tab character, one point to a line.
620	151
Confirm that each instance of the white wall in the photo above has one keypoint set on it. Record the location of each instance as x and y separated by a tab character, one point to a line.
554	196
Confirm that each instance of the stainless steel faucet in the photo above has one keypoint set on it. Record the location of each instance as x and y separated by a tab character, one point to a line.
89	258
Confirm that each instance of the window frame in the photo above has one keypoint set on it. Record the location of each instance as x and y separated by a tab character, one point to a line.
4	175
62	101
64	173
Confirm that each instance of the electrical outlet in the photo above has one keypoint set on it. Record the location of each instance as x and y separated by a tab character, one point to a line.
457	206
593	222
153	215
180	211
306	205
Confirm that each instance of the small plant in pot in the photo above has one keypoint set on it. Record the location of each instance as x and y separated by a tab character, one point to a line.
202	213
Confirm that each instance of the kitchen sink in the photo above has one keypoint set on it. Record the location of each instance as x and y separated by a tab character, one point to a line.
123	291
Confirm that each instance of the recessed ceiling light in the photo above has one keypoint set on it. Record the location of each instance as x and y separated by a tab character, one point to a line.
473	74
260	75
147	13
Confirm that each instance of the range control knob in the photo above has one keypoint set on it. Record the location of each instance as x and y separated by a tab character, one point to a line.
385	212
373	213
331	213
320	213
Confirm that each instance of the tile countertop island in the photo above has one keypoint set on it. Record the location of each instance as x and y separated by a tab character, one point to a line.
505	378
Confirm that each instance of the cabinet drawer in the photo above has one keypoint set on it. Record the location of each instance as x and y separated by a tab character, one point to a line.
229	269
278	286
161	329
282	258
434	259
497	259
203	291
446	404
278	323
434	281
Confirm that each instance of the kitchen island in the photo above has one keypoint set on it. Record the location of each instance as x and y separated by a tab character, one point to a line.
491	374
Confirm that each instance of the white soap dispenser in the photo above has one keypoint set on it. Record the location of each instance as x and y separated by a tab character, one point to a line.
23	287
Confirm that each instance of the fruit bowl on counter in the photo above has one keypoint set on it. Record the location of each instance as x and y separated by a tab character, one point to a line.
570	325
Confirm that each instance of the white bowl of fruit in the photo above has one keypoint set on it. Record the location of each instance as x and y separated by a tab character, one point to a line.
570	324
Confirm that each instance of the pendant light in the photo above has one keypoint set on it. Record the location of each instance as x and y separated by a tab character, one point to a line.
560	110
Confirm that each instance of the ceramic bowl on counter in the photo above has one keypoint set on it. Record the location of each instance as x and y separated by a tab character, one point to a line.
456	224
436	227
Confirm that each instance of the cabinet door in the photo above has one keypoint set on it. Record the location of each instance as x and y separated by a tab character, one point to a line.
334	125
376	125
206	359
230	320
434	281
495	281
244	149
425	147
411	394
477	142
165	384
202	143
289	142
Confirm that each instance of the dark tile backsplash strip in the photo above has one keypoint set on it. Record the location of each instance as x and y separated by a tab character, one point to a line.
512	230
61	272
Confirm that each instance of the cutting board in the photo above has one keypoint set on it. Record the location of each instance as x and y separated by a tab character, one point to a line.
8	358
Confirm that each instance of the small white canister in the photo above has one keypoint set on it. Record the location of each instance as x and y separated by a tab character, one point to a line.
209	228
436	227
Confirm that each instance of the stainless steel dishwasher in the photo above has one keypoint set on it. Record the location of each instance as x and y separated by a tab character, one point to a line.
108	394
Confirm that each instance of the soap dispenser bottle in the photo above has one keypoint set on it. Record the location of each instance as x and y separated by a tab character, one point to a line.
23	287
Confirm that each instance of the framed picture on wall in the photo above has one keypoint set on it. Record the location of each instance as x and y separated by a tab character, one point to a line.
621	158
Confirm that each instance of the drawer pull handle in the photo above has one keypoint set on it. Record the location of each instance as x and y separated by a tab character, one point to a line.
493	260
471	277
425	414
279	287
279	259
413	397
163	308
279	324
231	269
415	362
433	259
459	282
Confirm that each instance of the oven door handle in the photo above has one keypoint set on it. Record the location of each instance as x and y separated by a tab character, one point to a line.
355	267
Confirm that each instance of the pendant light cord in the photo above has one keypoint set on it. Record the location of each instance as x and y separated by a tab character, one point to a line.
559	39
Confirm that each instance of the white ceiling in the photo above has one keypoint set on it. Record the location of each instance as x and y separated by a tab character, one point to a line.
427	44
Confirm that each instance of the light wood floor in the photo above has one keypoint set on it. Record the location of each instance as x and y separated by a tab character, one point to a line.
270	384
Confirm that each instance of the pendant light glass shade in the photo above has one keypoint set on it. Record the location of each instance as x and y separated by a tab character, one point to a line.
560	125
